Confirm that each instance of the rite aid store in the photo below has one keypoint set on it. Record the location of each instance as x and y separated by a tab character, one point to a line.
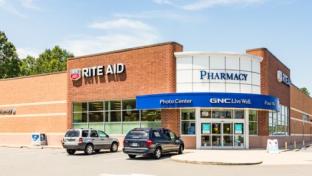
211	100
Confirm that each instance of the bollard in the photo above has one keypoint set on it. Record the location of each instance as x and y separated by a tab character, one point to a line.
295	145
286	146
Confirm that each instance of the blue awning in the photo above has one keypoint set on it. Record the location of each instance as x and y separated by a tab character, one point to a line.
203	99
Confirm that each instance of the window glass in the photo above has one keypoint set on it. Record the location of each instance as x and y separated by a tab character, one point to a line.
96	117
188	114
128	104
130	116
96	106
222	114
72	133
278	121
239	114
79	107
113	105
188	127
85	133
156	134
102	134
113	116
151	115
137	134
205	113
80	117
94	133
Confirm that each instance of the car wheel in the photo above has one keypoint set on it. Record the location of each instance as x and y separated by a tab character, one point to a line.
97	150
157	153
180	151
114	147
132	156
70	151
89	149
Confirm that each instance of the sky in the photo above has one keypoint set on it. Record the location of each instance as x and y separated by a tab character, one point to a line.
90	26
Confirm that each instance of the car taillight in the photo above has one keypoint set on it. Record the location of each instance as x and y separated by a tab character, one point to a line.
80	141
149	143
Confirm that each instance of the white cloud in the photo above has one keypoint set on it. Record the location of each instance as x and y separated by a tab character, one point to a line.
15	7
154	14
121	24
203	4
114	34
24	52
29	4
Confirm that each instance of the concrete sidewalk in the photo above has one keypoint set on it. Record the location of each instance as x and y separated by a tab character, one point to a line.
244	157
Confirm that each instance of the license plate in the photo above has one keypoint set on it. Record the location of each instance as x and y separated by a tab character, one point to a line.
134	144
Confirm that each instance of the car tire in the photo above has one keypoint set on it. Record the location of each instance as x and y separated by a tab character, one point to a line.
157	153
89	149
132	156
181	148
97	150
71	151
114	147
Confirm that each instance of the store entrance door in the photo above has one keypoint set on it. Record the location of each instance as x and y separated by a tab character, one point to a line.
222	134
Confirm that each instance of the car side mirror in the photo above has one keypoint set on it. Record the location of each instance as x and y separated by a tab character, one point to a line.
107	136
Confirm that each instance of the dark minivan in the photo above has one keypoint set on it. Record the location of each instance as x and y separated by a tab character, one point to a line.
150	141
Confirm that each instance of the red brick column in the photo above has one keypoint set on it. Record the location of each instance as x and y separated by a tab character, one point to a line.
263	123
170	118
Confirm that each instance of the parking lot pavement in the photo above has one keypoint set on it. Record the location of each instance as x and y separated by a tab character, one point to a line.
48	162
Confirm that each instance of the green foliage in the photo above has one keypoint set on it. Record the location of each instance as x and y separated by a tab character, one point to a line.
51	60
305	91
9	62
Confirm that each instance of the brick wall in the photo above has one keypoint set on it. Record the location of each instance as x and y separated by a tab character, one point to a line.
40	103
269	84
149	70
300	104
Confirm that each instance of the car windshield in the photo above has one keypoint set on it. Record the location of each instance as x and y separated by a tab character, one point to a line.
137	134
72	133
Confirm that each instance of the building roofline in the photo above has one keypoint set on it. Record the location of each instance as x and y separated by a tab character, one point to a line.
126	49
191	53
31	76
266	49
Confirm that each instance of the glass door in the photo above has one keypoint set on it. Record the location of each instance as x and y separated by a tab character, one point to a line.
222	135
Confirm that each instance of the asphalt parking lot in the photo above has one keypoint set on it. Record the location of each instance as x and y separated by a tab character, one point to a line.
33	162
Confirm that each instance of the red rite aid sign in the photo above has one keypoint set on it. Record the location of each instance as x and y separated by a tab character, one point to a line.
77	73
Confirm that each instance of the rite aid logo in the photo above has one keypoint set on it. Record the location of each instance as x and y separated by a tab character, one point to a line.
283	78
75	74
100	70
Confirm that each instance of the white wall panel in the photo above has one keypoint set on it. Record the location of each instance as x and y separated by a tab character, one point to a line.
245	63
184	76
232	62
189	65
201	62
217	62
184	63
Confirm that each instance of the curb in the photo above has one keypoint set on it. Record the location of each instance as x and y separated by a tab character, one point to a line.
215	163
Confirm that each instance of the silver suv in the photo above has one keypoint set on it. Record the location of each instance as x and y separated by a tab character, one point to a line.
89	141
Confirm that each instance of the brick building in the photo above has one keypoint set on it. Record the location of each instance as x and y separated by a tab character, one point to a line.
211	100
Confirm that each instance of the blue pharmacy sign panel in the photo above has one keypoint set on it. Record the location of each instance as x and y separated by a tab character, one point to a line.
202	99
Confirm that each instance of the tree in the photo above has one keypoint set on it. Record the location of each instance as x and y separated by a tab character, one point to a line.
51	60
305	91
9	62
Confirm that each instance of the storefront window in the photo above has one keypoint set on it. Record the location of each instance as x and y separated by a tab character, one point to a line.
278	121
188	121
115	117
239	114
80	117
96	106
222	114
205	113
79	107
253	122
